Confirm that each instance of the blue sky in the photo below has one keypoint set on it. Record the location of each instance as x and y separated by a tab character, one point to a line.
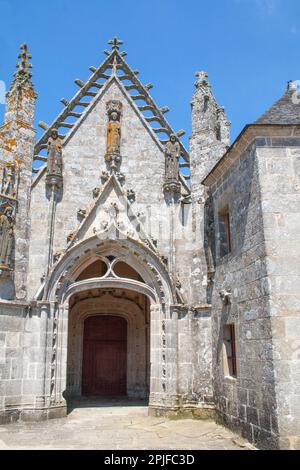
250	48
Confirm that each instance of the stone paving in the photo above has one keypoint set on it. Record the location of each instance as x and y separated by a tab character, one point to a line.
118	427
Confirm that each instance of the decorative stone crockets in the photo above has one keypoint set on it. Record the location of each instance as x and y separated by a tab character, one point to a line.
172	154
54	161
113	139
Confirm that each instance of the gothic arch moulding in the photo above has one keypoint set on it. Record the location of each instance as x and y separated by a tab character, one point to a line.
155	281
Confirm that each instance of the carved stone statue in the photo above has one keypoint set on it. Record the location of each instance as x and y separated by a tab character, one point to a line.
9	181
172	154
6	237
54	162
113	143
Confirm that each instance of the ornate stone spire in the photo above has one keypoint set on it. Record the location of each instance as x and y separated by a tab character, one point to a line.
23	74
20	99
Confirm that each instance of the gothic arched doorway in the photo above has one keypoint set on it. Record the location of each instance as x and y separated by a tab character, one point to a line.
115	278
109	344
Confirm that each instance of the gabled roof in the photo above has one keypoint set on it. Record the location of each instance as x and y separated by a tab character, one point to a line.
113	66
285	111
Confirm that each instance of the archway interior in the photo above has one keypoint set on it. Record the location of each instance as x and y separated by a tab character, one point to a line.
96	269
92	353
109	268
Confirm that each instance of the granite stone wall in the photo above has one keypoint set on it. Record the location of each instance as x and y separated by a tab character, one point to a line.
25	360
246	402
279	173
261	190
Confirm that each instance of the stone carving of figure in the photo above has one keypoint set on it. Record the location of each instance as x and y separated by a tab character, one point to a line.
6	236
172	153
54	162
113	136
8	183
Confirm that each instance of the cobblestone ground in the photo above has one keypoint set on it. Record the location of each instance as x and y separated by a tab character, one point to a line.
90	426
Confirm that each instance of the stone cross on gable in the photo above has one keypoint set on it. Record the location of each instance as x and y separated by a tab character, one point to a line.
115	43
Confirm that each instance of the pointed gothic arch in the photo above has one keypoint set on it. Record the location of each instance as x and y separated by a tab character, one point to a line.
156	281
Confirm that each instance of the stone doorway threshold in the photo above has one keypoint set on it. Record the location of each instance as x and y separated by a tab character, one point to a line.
104	402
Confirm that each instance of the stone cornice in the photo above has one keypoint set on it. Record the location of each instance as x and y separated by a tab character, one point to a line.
243	141
13	303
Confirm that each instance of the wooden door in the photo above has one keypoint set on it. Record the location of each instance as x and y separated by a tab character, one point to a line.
104	368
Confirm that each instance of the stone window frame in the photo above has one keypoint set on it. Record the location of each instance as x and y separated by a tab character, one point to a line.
223	204
225	214
229	338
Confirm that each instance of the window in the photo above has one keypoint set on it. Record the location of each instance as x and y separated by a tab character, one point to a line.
224	232
229	349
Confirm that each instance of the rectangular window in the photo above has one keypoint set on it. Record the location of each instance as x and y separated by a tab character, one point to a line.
224	232
229	342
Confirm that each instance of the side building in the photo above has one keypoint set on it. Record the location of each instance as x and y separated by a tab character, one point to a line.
254	207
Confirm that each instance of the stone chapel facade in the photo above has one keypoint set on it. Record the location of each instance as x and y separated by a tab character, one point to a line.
130	266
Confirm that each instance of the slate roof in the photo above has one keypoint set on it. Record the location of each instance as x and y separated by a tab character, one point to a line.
286	110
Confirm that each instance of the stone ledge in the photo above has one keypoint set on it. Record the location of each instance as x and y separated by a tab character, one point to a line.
32	415
184	411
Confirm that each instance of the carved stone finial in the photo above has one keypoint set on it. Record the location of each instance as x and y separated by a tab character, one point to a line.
291	85
202	79
23	73
115	43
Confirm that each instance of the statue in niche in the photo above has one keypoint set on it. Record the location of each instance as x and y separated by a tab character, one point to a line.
172	154
6	236
9	181
54	162
113	137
